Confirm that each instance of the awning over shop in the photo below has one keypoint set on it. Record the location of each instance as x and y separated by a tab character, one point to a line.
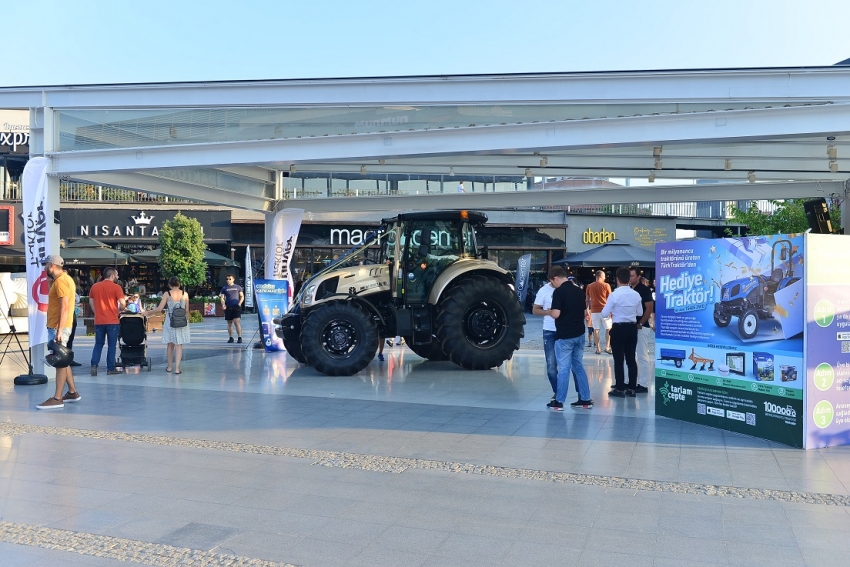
211	258
612	255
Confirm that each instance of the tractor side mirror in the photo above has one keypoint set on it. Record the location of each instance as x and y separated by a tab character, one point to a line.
485	252
783	255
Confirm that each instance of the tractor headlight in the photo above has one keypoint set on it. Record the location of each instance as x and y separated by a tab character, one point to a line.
309	294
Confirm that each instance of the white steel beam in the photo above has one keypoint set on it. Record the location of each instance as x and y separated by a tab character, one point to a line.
139	181
714	127
809	84
594	196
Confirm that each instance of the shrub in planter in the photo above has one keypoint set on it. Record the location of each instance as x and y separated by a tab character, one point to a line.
195	316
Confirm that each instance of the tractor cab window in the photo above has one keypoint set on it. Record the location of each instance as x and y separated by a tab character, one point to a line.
432	246
470	248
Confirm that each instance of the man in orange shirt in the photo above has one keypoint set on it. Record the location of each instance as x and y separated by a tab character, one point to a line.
106	297
60	314
597	297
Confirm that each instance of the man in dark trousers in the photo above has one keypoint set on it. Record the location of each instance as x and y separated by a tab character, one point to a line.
232	298
106	299
645	358
625	308
568	304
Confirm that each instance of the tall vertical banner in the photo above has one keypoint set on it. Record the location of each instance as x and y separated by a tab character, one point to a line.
38	227
523	269
249	278
827	340
286	225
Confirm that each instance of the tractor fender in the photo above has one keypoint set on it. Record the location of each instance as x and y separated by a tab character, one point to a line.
466	266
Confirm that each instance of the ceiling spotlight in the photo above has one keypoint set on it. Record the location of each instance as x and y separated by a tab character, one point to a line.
833	166
751	176
832	152
656	151
452	171
831	138
362	170
528	172
727	165
658	163
292	168
651	177
544	161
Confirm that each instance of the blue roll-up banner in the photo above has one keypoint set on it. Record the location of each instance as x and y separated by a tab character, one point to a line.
522	271
272	302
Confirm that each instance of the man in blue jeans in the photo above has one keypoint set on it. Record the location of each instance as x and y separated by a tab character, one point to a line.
106	298
542	306
568	305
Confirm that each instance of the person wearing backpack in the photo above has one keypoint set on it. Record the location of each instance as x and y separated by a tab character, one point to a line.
175	328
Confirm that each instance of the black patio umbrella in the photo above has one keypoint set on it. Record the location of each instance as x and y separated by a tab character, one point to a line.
91	252
211	258
613	254
87	242
94	257
12	257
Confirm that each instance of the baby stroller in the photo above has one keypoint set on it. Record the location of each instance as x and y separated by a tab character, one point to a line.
133	340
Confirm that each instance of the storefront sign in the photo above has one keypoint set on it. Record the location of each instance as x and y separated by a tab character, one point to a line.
600	237
128	225
14	131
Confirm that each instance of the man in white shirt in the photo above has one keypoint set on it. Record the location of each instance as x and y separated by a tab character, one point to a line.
625	307
543	306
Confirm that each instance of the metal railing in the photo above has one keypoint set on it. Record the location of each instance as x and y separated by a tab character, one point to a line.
74	192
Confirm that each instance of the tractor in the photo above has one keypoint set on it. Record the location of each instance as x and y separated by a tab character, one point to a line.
420	276
752	299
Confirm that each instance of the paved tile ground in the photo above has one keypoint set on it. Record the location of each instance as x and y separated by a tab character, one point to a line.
251	459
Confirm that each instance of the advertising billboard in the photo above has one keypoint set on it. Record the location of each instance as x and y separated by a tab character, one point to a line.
730	322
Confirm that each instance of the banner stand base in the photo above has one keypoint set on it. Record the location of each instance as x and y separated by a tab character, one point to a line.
30	380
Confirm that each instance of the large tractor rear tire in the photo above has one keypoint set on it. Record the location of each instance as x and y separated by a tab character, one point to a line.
480	322
294	350
339	338
431	351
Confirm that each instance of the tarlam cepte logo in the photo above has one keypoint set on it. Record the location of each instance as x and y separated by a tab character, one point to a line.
674	393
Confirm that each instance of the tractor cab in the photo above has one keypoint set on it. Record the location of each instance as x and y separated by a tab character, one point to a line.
420	246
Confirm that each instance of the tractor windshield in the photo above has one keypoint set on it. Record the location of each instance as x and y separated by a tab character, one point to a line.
361	254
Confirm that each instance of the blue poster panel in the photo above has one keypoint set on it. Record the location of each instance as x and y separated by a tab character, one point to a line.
729	334
272	302
827	340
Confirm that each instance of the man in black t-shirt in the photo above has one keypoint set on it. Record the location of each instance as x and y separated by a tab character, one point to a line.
232	298
645	358
568	305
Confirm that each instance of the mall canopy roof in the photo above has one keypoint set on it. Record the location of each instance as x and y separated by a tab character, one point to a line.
613	254
765	133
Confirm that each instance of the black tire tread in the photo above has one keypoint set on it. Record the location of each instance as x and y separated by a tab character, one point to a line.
315	354
451	310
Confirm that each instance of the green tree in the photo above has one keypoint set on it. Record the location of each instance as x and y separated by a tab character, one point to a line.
788	218
181	243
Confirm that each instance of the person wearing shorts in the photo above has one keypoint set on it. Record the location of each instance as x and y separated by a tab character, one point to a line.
60	313
597	296
232	298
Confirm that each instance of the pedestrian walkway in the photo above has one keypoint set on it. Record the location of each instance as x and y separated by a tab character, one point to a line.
249	458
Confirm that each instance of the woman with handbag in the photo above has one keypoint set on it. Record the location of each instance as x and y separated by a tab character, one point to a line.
175	328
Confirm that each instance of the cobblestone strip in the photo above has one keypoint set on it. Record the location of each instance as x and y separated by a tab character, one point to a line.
400	464
122	549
